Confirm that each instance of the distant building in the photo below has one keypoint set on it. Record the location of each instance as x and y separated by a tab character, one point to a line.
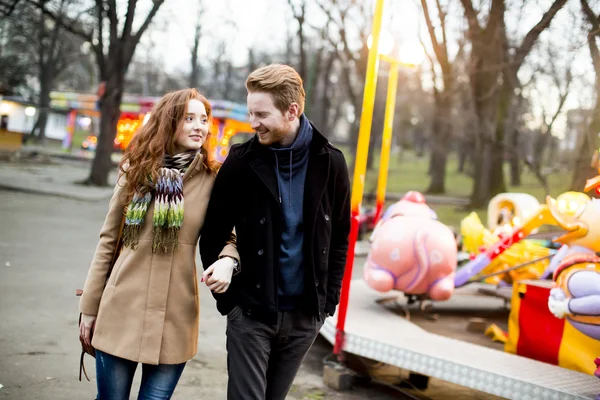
18	115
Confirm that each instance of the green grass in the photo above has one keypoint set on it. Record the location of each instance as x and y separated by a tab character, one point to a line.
410	173
78	137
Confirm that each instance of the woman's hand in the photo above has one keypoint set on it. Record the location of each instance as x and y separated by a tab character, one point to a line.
218	275
86	328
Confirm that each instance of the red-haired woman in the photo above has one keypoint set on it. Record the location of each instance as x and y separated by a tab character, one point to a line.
146	308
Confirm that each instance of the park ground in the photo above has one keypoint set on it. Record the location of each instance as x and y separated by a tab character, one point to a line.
46	243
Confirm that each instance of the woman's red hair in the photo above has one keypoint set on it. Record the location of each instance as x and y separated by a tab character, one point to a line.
145	154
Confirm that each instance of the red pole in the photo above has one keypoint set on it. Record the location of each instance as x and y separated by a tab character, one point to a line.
343	308
378	212
360	167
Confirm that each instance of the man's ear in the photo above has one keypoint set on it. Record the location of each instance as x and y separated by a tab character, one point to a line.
293	111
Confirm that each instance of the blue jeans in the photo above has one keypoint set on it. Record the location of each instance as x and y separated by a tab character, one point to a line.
114	377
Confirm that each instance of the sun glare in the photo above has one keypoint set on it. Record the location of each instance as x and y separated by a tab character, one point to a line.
411	52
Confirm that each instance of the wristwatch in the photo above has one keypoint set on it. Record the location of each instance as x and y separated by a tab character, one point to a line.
236	266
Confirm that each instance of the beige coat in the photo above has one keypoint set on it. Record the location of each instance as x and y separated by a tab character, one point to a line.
148	308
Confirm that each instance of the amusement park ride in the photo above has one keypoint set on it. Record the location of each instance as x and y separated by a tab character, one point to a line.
552	347
229	119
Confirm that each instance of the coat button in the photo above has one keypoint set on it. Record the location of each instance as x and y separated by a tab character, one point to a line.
260	252
263	220
326	217
324	250
317	283
258	285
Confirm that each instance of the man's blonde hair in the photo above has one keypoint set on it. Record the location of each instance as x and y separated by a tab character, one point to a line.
282	82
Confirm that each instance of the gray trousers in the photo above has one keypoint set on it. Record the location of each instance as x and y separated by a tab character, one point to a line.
263	359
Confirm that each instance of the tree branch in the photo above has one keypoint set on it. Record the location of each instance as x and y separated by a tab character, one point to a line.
129	19
151	14
72	27
9	7
442	15
471	14
496	17
589	14
113	19
534	33
437	48
99	47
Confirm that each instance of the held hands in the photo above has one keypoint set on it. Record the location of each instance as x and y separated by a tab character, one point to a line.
218	275
86	328
558	303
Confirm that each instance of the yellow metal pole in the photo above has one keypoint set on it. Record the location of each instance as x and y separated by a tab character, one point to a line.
386	143
366	116
360	167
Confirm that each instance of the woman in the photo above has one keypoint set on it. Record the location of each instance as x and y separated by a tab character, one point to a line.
146	309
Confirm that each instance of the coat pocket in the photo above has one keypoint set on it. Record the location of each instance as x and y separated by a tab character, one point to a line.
116	271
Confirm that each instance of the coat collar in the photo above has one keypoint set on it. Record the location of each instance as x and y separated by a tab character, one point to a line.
261	161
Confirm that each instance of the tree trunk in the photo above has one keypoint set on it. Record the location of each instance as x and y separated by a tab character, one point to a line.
515	157
583	169
41	123
481	185
515	169
439	144
43	110
323	114
498	184
110	113
464	154
195	72
439	156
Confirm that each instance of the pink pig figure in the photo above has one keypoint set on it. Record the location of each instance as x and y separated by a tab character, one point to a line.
412	252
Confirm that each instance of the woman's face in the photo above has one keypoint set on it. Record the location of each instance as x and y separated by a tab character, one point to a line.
194	130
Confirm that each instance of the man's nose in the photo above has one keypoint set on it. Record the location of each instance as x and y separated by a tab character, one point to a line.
254	124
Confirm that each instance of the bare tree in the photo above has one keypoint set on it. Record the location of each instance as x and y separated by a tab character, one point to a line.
48	46
493	79
299	14
353	62
113	59
589	144
195	70
561	80
442	97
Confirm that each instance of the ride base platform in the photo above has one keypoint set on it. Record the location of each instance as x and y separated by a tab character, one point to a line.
376	332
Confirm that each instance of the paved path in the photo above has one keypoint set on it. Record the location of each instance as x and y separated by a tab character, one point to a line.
46	244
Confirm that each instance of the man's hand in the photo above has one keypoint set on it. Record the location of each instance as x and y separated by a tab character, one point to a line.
86	328
558	303
218	275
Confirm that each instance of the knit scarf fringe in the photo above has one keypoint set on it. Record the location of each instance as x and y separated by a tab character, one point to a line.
168	207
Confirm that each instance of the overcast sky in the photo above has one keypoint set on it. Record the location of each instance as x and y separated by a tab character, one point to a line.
264	24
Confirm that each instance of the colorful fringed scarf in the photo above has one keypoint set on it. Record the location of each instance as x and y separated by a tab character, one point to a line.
168	207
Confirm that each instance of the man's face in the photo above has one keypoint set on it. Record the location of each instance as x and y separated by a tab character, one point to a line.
271	125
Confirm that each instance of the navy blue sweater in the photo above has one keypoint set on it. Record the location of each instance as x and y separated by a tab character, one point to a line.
290	167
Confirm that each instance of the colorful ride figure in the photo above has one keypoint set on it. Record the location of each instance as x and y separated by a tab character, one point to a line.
576	296
412	252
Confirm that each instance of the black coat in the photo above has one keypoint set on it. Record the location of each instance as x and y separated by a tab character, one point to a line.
245	196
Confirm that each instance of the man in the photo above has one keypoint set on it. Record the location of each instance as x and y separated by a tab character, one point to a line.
287	194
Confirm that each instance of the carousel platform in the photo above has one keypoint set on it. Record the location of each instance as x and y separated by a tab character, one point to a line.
376	332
